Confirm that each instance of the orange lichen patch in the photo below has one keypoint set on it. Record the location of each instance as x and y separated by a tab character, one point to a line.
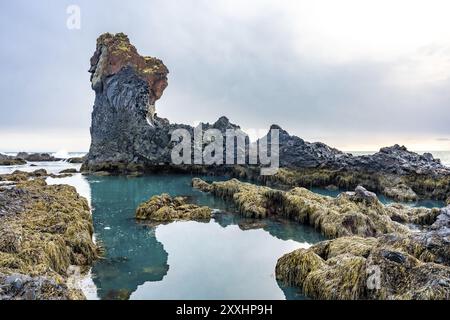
114	52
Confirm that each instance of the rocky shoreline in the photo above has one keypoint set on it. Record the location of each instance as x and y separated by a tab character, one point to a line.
367	236
164	208
45	239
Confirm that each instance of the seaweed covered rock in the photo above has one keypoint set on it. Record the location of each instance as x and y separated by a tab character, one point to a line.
69	171
362	268
164	208
407	186
19	175
43	231
351	213
393	266
201	185
76	159
249	199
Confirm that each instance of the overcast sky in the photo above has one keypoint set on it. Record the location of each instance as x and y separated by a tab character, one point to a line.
356	74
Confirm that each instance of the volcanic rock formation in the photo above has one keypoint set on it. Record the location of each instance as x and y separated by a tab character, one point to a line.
129	137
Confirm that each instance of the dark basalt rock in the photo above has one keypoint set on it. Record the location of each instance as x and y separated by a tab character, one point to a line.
10	161
76	160
397	160
128	137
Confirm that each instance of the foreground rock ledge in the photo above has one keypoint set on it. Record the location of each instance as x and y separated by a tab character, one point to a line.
164	208
45	239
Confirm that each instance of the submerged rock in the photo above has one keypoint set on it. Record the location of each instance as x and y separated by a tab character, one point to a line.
164	208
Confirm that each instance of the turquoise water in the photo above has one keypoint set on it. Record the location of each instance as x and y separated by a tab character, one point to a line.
185	260
182	260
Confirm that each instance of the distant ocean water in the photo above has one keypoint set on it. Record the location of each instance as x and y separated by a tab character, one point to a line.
444	156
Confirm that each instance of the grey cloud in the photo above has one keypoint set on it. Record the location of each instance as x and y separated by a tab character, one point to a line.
247	69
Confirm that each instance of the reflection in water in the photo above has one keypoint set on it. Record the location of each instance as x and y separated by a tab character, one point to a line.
133	254
185	260
228	258
208	261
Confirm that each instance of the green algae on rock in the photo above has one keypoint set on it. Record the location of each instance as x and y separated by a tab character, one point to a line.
44	230
164	208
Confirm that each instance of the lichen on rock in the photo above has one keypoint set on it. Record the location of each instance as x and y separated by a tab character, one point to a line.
164	208
114	52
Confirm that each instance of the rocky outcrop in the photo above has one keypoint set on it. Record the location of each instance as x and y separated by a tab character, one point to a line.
76	160
393	266
69	171
125	128
164	208
45	231
407	187
351	213
10	161
129	137
201	185
37	157
17	176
